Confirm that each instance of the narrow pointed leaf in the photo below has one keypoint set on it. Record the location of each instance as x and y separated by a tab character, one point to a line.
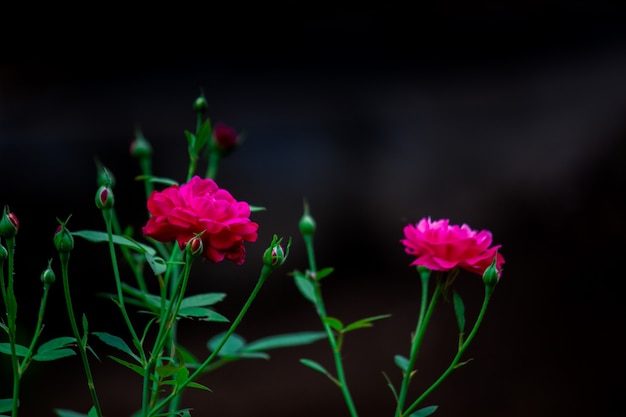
323	273
19	349
96	236
202	300
131	366
364	322
156	180
314	365
402	362
6	404
68	413
305	286
334	323
423	412
202	313
284	340
57	343
51	355
117	343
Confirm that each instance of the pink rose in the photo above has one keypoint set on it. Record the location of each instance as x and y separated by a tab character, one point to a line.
441	247
201	207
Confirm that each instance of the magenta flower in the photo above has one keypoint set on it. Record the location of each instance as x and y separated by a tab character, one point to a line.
439	246
201	208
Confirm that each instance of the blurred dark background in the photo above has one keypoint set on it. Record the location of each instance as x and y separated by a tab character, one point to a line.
506	116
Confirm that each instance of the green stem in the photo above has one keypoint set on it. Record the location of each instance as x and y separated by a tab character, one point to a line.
457	357
38	329
106	213
335	346
134	266
420	331
265	272
65	256
11	305
214	160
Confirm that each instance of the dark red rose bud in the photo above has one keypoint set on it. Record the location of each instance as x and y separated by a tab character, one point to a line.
104	198
225	137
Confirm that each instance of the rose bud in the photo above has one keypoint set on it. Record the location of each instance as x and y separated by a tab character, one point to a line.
9	225
225	137
275	255
63	239
200	105
194	246
47	276
104	198
140	148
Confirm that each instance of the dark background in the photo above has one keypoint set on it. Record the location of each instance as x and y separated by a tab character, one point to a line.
506	116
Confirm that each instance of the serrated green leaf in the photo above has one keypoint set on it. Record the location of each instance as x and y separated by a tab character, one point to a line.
423	412
6	404
136	368
459	311
117	343
52	355
202	313
367	322
334	323
323	273
202	300
232	345
314	365
96	236
305	286
57	343
284	340
402	362
19	349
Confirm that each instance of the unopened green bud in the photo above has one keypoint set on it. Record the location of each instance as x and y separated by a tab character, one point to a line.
140	147
274	256
9	225
63	239
104	198
307	223
200	105
47	276
491	276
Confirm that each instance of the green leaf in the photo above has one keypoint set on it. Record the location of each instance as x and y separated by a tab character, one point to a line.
334	323
92	412
157	264
136	368
284	340
57	343
402	362
4	327
19	349
201	313
232	345
166	370
364	322
181	375
459	310
157	180
117	343
199	386
323	273
95	236
6	404
202	300
254	209
305	286
51	355
314	365
186	357
423	412
68	413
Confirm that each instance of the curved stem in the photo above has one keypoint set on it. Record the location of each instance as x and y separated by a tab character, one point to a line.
416	343
457	357
265	272
81	342
38	330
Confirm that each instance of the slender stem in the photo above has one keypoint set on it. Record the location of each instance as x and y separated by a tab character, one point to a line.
134	266
11	305
457	357
38	329
81	342
416	343
214	160
265	272
335	345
